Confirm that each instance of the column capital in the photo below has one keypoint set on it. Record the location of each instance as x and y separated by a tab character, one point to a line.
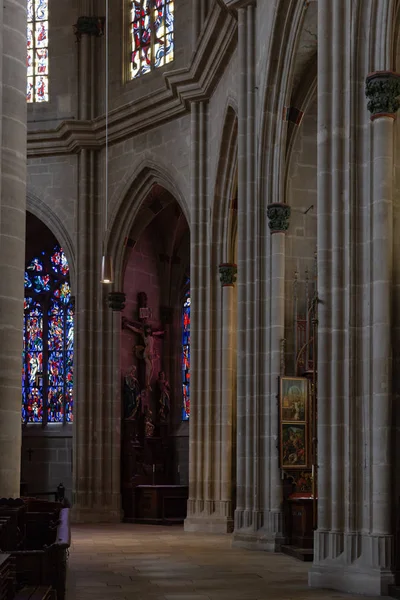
116	301
382	88
278	215
89	26
227	274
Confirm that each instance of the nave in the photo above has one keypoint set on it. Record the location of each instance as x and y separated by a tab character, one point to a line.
142	562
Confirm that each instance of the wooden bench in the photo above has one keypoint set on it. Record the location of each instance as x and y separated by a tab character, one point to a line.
7	577
47	566
36	593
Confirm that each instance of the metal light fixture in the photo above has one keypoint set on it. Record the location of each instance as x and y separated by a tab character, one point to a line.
107	271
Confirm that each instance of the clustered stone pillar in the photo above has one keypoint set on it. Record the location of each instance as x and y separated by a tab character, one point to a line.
248	513
353	543
96	494
228	374
12	235
200	11
200	505
278	215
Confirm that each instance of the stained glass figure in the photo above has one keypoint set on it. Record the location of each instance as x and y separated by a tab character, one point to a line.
186	357
152	35
48	354
37	51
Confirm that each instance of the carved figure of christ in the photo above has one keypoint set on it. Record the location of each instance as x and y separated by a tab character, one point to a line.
147	349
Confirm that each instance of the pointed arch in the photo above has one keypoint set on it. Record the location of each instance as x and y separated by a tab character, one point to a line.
44	212
136	210
223	217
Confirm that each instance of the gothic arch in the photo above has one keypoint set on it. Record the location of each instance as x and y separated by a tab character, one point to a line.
44	212
135	211
223	222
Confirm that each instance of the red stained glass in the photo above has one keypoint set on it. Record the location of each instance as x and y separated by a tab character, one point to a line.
152	35
37	51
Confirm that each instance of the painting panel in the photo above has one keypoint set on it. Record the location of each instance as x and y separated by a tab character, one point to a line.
294	399
294	453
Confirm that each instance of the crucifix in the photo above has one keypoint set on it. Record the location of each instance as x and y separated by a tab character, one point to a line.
144	351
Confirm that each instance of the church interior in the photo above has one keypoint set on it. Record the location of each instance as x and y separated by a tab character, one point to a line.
199	299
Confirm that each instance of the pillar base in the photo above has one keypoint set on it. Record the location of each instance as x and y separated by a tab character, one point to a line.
258	540
353	563
258	530
84	511
104	514
210	524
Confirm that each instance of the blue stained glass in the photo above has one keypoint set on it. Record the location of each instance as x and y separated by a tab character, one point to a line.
186	357
35	265
47	377
41	283
27	282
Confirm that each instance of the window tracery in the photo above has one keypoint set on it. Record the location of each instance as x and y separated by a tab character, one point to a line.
37	51
48	349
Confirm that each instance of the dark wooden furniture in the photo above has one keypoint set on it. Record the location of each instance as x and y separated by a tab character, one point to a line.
7	577
301	511
160	504
40	550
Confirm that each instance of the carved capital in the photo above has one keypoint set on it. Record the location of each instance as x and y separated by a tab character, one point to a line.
89	26
227	274
116	301
382	89
278	215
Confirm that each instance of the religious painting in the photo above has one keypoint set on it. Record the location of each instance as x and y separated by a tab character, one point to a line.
294	446
293	398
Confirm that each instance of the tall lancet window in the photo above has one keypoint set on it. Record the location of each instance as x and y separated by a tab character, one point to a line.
152	35
48	350
186	357
37	51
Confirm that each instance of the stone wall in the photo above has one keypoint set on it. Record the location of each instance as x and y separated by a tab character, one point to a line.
47	460
301	238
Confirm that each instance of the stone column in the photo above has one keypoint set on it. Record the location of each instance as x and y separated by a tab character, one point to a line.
12	236
228	374
200	502
248	513
97	494
278	215
354	543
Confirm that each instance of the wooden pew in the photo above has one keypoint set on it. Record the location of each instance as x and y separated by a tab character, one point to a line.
48	566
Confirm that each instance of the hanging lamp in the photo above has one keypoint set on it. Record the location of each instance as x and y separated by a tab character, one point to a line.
107	271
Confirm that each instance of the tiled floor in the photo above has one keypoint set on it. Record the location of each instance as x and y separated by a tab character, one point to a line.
142	562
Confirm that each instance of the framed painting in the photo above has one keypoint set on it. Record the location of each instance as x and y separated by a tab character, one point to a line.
294	399
294	451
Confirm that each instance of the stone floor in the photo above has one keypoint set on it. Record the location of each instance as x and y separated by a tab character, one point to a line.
142	562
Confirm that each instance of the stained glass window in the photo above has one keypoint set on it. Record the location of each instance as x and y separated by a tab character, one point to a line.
37	51
186	357
48	351
152	35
